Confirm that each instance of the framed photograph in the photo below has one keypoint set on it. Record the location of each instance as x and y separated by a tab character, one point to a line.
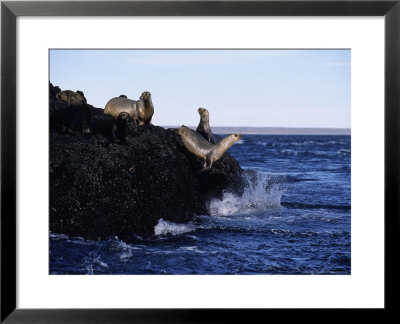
180	160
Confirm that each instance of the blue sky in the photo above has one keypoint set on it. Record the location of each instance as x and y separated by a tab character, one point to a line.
259	88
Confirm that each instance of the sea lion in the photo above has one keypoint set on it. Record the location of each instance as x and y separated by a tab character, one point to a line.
140	111
72	118
204	127
120	126
117	105
70	97
123	96
145	109
197	145
82	95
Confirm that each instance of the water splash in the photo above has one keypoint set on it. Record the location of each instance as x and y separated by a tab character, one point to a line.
262	192
93	264
164	227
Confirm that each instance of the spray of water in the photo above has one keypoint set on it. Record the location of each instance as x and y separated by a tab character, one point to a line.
164	227
262	192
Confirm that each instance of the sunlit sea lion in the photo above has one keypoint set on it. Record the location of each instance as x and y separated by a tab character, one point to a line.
117	105
197	145
140	111
145	109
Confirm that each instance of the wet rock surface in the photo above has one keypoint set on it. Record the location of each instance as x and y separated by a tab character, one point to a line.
102	186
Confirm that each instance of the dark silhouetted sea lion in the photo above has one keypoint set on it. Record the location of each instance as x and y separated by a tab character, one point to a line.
70	97
123	96
120	126
197	145
72	118
204	127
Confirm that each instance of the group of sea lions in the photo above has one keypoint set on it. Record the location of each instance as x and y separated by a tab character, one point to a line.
140	111
201	143
76	116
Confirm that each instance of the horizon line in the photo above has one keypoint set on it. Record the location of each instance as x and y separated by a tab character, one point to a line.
347	128
277	130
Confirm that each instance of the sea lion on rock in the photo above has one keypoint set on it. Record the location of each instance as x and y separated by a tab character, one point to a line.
145	109
123	96
197	145
140	111
120	126
72	118
204	127
117	105
70	97
82	95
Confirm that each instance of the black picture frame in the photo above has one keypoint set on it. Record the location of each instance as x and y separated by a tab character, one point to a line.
10	10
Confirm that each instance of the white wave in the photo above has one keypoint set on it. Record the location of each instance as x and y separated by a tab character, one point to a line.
123	250
164	227
192	249
343	151
55	236
118	245
94	264
240	141
279	231
124	256
74	240
288	152
261	192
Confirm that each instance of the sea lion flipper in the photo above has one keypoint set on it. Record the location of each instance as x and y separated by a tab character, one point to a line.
207	162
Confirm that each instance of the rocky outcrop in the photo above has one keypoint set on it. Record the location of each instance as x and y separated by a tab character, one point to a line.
103	186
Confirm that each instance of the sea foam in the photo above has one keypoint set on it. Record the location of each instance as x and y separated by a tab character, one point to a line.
164	227
262	192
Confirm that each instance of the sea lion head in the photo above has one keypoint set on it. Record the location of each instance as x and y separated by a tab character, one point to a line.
82	95
182	130
145	96
236	136
203	112
62	95
123	117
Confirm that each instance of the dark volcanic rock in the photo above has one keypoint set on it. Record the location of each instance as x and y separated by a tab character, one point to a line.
100	187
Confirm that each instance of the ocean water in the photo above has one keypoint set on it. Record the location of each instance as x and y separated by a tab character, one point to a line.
294	217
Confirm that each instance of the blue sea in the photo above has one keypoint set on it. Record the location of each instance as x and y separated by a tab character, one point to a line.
294	217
